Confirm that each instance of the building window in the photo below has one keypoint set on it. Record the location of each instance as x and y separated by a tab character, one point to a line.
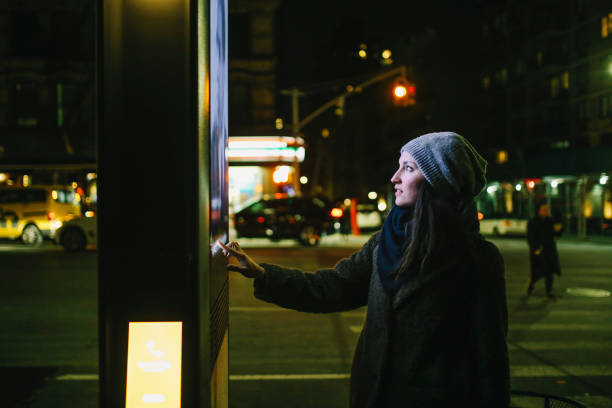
501	157
583	111
605	105
554	86
239	33
501	76
25	103
486	82
606	26
565	79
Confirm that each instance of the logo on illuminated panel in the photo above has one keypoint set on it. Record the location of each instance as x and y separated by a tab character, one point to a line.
154	365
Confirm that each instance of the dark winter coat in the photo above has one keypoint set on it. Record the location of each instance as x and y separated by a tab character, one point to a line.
541	235
436	343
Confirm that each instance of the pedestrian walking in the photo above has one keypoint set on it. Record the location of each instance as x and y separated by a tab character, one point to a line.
436	324
543	256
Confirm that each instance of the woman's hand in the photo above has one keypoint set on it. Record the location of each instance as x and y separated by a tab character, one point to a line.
246	265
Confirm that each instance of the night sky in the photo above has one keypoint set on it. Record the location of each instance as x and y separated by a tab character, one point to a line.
317	49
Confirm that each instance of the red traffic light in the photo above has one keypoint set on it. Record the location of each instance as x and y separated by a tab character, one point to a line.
403	92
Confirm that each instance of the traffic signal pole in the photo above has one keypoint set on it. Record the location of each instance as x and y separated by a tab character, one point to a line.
298	124
337	101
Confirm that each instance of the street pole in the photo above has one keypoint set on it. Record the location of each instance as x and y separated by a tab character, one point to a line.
295	110
295	130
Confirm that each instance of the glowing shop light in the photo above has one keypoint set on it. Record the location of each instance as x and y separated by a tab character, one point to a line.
281	174
265	149
382	204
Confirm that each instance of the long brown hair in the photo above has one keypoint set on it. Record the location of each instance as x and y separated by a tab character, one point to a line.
445	233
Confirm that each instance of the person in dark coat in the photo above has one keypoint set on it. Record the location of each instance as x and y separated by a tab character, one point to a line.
543	256
436	324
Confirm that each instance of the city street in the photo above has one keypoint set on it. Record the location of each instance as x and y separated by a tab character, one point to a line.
279	358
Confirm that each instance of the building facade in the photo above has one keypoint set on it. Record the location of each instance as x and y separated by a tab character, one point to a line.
545	95
47	80
252	67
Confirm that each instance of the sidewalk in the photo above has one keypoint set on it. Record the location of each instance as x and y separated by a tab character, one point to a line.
590	239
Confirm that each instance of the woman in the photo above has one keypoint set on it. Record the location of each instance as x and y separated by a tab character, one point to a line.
543	256
435	331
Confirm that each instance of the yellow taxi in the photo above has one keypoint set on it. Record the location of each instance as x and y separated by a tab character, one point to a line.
36	212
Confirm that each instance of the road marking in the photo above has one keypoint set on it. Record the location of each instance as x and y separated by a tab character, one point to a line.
515	371
252	309
560	345
558	326
258	309
276	377
561	371
243	377
78	377
537	326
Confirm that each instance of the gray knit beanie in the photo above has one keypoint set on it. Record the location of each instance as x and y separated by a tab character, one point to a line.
450	164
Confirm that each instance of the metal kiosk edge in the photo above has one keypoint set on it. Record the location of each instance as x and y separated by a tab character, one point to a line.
162	137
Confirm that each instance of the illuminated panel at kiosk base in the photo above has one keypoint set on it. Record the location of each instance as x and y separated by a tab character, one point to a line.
154	365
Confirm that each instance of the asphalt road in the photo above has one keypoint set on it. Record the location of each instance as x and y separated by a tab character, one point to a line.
279	358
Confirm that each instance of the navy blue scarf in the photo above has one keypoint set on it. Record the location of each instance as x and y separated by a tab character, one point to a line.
394	239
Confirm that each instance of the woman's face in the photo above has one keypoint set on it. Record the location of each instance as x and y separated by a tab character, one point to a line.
407	180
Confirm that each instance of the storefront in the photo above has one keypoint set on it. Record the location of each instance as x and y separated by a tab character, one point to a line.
263	165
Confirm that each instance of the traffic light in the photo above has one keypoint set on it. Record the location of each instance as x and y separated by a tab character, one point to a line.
404	92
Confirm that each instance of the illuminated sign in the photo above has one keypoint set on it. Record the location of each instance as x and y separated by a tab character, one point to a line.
266	149
154	365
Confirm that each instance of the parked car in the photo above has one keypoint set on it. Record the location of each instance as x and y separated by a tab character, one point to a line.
77	234
35	213
303	218
502	226
369	217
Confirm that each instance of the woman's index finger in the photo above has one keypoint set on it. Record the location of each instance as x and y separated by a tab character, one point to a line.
229	249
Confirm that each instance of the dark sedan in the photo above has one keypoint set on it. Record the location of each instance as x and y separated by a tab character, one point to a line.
303	218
